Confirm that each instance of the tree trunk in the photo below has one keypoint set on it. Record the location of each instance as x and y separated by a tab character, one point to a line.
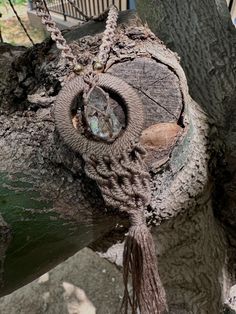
188	142
203	35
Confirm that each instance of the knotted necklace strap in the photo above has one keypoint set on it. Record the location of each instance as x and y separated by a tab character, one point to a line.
116	164
108	38
56	34
119	170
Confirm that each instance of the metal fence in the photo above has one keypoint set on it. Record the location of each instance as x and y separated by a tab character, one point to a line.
87	7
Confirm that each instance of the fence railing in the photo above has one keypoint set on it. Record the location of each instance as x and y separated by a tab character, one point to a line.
87	7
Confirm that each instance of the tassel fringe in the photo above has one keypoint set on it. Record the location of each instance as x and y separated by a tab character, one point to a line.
140	263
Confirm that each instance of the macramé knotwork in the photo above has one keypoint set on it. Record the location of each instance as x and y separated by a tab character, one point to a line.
117	167
108	35
122	179
125	184
80	142
120	173
56	34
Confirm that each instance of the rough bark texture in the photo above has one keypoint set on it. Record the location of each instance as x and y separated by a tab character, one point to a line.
204	37
38	161
192	245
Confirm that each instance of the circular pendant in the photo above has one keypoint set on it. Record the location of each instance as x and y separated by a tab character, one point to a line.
99	129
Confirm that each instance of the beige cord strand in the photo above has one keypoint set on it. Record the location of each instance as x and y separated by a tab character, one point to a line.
56	34
107	40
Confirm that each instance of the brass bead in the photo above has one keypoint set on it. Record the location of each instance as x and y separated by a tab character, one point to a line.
78	68
98	66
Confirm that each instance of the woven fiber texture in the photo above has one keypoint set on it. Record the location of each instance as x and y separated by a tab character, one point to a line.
78	141
116	166
119	170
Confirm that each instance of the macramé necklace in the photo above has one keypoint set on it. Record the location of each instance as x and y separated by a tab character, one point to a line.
85	115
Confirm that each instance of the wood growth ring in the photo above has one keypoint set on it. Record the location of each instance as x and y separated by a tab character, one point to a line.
77	140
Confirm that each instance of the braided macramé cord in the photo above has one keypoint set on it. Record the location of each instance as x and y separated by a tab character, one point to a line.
125	184
56	34
108	35
123	181
120	173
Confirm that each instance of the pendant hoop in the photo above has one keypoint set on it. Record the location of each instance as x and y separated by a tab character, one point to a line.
76	139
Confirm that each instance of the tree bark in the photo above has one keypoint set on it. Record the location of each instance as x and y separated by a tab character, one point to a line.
188	170
203	35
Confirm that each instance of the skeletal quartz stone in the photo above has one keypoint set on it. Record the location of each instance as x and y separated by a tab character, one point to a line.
99	115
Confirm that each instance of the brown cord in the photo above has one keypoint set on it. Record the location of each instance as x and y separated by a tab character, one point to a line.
117	167
122	179
140	263
125	184
56	34
78	141
108	38
120	173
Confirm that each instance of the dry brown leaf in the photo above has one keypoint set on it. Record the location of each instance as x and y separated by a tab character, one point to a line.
160	136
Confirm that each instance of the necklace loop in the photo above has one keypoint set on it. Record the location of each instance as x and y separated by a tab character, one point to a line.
107	39
77	138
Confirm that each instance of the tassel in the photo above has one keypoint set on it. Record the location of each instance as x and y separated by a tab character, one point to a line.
139	261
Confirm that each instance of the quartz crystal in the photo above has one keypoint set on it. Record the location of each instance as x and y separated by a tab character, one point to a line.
100	117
